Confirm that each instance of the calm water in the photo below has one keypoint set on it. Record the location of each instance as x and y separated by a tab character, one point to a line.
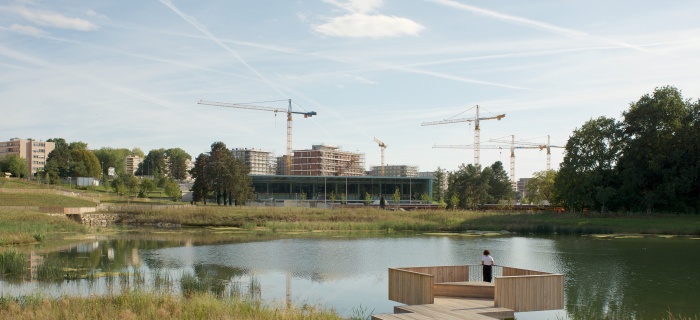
645	277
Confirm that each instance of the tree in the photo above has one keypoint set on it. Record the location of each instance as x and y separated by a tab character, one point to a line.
454	201
172	190
540	187
438	183
138	152
659	166
15	165
368	199
201	187
72	160
114	158
147	185
177	163
588	169
500	187
396	197
85	163
223	175
154	164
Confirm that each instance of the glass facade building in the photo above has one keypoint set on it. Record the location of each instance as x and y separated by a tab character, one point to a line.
277	187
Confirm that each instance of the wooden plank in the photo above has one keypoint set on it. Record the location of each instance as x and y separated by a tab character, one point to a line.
410	287
484	290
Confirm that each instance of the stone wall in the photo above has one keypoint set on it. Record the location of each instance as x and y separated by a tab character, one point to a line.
97	219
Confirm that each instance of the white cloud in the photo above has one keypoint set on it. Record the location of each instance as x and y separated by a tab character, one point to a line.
51	19
357	6
27	30
361	22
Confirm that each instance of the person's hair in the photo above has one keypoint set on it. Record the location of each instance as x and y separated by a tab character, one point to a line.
486	252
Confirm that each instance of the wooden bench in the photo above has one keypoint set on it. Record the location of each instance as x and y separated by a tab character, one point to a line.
471	289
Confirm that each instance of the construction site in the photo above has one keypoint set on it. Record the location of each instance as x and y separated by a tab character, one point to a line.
327	160
323	160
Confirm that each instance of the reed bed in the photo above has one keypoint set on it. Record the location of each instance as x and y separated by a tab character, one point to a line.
142	305
372	219
23	227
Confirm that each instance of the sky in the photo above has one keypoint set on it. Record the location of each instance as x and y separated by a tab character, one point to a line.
130	73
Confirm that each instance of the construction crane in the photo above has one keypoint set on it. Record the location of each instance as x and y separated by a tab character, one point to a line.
529	143
252	106
383	146
477	129
513	183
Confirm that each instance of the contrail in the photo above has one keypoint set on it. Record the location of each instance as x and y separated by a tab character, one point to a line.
205	31
532	23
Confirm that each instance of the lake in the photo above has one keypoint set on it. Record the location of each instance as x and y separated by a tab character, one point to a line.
640	277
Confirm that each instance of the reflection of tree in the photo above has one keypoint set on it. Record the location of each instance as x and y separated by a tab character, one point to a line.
627	278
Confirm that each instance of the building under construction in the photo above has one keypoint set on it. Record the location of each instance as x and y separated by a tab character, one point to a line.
258	161
394	171
326	160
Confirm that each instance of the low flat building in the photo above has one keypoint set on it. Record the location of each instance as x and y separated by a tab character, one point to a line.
276	187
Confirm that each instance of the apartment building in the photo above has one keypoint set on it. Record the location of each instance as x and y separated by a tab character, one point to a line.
132	163
394	171
327	160
258	161
35	152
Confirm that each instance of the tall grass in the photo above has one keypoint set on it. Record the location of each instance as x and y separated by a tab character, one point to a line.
23	227
276	219
140	305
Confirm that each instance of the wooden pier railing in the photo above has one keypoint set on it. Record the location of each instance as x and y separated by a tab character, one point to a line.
514	288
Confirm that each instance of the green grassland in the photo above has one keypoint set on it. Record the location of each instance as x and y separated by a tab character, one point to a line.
23	227
138	305
371	219
42	200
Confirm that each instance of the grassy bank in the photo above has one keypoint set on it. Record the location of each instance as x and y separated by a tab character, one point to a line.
369	219
23	227
136	305
42	200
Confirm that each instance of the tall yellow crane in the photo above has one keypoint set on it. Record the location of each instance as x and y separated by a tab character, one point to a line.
252	106
477	129
513	183
383	146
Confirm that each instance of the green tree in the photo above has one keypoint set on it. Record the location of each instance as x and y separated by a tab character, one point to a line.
85	163
454	201
439	182
138	152
172	190
368	199
147	185
154	164
659	166
15	165
112	158
201	186
332	197
396	197
540	187
343	198
588	169
223	175
500	187
425	198
177	163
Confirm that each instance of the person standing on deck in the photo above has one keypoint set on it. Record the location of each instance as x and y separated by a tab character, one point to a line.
486	264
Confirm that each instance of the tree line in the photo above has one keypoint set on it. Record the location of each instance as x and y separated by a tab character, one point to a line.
649	161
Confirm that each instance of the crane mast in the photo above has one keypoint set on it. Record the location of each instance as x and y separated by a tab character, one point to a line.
541	146
513	183
477	130
382	146
252	106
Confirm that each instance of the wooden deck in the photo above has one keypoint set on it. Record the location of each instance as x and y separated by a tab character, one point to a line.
450	308
453	292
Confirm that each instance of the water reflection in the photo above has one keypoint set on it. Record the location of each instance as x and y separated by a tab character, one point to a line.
610	278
